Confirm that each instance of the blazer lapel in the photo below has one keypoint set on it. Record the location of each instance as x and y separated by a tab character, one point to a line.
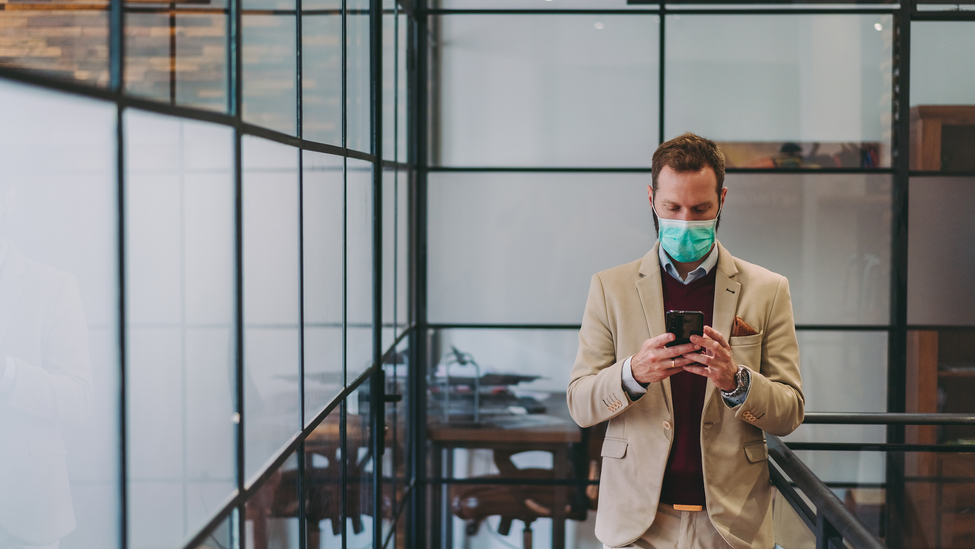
11	286
651	293
726	292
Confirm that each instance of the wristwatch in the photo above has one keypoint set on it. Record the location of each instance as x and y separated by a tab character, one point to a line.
742	379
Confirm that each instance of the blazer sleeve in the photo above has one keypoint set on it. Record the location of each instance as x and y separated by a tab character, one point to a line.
775	402
596	392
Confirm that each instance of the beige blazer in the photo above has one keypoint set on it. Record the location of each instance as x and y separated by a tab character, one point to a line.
624	309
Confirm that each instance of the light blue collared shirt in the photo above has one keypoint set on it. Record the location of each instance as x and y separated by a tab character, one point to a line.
630	384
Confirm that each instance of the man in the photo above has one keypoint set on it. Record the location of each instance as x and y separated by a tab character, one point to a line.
685	462
45	381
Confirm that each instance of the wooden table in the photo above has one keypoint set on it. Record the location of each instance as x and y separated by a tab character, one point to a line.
512	433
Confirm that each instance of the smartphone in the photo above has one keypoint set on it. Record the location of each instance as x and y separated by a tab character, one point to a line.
684	324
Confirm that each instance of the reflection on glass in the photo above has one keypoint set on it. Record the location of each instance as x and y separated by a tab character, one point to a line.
557	90
360	476
543	4
60	42
323	196
789	528
828	234
323	483
271	514
819	83
402	81
321	77
939	496
529	242
180	324
178	59
942	96
941	63
359	267
940	379
221	538
389	267
390	44
357	75
59	315
939	248
395	475
271	298
402	316
522	247
269	72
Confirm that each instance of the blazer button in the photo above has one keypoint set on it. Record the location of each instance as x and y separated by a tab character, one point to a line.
667	425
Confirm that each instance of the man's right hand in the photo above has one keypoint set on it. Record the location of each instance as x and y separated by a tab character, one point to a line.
655	362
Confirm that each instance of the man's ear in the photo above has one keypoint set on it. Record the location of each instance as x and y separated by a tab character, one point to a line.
724	194
650	194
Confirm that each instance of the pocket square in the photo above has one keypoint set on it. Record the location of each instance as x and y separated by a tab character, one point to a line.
741	328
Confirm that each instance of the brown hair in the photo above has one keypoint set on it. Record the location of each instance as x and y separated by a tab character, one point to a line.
689	153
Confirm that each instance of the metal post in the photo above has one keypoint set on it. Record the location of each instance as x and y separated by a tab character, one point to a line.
897	339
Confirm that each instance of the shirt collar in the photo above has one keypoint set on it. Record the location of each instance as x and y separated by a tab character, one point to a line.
701	271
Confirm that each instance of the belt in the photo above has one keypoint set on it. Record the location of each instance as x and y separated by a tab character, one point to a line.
678	507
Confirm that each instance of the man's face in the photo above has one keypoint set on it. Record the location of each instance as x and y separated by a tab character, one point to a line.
687	196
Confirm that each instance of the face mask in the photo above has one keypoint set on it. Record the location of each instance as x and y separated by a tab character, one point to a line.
686	241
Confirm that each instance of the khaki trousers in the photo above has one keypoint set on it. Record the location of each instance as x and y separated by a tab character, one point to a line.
673	529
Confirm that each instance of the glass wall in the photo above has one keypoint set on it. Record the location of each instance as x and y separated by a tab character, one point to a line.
196	315
542	119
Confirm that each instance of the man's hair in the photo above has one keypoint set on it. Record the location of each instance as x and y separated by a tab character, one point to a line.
689	153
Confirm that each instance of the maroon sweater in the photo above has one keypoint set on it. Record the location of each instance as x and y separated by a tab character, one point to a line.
684	478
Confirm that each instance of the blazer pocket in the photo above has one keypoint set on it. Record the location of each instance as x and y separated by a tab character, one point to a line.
614	448
756	451
741	341
47	446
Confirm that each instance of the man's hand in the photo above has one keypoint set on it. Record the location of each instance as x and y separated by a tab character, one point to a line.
655	362
717	365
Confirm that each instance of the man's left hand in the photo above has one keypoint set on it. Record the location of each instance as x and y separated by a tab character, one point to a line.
718	364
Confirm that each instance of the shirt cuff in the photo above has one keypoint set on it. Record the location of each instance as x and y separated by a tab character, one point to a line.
9	376
630	384
740	399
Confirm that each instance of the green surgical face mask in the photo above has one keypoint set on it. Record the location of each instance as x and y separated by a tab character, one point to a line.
686	241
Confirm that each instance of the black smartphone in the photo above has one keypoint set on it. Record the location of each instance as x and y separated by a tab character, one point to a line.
684	324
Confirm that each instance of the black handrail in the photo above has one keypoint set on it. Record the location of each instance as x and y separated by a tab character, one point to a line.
871	418
832	517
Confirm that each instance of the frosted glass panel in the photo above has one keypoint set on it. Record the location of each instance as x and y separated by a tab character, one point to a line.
859	359
357	75
542	4
59	315
321	77
180	287
828	234
359	272
269	76
522	247
389	259
781	78
548	354
323	196
271	298
940	252
942	71
555	90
